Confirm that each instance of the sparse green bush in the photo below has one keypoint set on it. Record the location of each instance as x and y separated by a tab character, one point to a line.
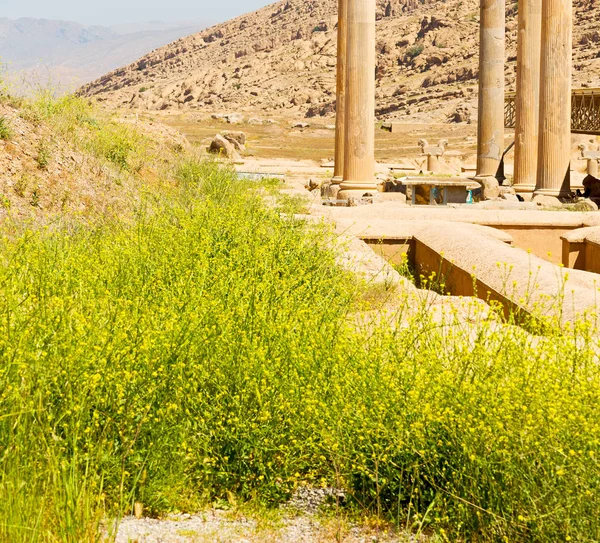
21	185
35	197
113	142
415	50
44	155
210	347
5	129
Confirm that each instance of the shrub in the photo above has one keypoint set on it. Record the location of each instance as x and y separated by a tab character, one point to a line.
43	155
415	50
66	114
210	347
21	185
5	129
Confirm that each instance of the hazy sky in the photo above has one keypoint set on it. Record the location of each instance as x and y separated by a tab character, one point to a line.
106	12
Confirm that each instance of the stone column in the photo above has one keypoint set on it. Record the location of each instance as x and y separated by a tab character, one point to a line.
528	95
554	161
490	137
359	152
340	101
433	163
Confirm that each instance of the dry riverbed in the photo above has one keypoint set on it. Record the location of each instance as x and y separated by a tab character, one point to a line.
227	527
309	517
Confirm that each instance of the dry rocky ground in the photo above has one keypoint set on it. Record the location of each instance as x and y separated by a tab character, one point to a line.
298	521
40	172
43	172
316	142
217	527
281	61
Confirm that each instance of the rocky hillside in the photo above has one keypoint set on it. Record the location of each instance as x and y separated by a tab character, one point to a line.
281	61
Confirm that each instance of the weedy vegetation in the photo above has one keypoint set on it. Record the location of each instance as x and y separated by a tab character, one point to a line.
414	51
5	129
44	154
205	345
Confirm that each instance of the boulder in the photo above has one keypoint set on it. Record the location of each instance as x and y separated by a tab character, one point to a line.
490	188
314	184
460	115
234	118
508	192
237	139
223	147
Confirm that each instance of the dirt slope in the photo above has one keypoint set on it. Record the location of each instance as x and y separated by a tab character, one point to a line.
46	171
281	60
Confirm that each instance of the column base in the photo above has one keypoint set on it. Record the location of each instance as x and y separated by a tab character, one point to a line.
337	180
359	194
554	193
524	189
365	186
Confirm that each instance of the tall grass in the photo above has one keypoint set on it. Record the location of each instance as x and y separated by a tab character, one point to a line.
208	347
102	136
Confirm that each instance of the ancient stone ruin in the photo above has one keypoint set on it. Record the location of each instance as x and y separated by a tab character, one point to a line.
542	103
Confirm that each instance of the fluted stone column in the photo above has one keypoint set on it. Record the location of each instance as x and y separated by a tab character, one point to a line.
340	101
528	93
490	138
555	99
359	147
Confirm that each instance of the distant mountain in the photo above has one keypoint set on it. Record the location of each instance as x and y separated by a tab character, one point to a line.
70	54
155	26
282	58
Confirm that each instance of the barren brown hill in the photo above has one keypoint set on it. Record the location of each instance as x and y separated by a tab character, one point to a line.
281	61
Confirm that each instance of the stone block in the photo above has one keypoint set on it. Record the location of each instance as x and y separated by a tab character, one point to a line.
490	188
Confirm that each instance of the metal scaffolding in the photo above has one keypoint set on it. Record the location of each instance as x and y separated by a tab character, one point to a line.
585	111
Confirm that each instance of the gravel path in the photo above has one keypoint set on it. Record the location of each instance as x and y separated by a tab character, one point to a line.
223	527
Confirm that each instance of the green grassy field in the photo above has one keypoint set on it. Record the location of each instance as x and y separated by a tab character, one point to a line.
204	347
